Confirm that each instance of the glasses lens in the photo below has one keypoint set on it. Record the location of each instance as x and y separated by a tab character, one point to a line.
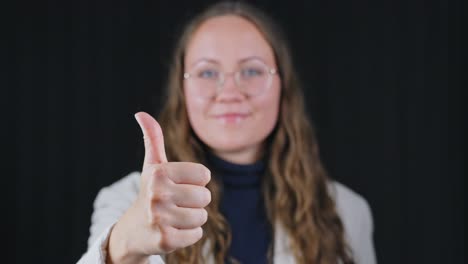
205	80
253	77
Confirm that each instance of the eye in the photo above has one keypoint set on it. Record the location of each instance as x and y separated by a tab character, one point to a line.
208	74
251	72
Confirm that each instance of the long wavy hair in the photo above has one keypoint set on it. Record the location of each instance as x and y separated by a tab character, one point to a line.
294	188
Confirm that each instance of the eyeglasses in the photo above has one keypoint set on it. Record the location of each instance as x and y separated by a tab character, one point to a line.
253	77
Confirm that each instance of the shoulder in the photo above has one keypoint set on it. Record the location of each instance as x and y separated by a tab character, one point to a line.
351	206
356	215
347	200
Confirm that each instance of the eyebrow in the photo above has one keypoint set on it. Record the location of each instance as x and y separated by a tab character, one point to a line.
214	61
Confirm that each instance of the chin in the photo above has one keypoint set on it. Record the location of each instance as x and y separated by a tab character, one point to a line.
231	140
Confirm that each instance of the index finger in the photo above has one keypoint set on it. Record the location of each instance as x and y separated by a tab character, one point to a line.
188	173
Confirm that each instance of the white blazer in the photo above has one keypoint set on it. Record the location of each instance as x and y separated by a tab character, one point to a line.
112	201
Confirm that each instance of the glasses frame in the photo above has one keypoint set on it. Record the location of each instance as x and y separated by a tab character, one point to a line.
237	73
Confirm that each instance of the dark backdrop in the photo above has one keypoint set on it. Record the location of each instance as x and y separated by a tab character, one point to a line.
379	85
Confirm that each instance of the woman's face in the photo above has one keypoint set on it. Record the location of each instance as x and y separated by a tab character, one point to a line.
232	124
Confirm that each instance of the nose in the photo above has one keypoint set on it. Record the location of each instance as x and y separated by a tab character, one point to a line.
228	90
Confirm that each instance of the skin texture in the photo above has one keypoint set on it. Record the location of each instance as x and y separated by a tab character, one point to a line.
169	210
227	40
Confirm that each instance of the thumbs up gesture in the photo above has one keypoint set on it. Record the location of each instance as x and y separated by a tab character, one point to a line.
169	210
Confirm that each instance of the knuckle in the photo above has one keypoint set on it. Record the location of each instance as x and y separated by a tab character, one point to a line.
155	180
206	196
204	216
166	246
161	196
159	172
151	194
158	218
199	233
168	241
206	174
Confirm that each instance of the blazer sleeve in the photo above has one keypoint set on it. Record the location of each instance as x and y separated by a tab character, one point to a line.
110	204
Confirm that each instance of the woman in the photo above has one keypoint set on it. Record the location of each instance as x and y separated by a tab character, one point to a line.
235	106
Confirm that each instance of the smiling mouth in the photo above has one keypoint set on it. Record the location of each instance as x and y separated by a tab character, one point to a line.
231	118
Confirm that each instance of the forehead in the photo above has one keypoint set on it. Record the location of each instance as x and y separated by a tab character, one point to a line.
227	39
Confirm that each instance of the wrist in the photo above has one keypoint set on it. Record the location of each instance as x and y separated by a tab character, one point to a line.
119	250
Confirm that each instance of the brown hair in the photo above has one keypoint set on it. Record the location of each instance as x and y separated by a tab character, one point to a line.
295	187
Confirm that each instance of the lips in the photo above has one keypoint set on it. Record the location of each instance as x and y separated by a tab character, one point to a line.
231	117
227	115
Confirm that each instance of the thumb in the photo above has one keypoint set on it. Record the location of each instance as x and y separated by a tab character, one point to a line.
153	137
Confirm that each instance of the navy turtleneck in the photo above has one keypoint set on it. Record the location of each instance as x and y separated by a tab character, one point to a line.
242	205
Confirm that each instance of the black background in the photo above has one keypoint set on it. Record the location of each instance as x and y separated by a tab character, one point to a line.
380	77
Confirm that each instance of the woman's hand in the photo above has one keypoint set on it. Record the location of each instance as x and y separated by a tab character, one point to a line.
169	211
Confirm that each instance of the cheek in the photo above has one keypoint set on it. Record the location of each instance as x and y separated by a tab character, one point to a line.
269	111
195	111
250	133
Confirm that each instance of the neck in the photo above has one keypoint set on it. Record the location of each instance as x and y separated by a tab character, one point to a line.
244	156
